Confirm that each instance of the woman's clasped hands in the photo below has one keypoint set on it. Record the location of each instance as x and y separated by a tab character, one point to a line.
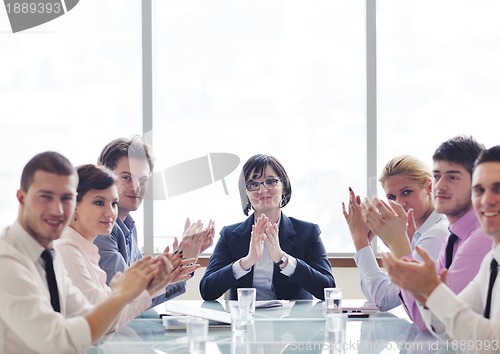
263	231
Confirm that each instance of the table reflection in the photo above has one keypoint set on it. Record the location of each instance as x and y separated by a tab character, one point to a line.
300	327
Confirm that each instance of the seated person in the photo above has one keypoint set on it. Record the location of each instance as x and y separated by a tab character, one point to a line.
282	257
132	162
41	311
467	244
95	213
407	181
470	318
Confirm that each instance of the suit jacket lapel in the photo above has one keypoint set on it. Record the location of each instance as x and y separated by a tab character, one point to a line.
286	234
241	237
239	243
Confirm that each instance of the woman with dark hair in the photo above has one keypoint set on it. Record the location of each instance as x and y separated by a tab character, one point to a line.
282	257
95	214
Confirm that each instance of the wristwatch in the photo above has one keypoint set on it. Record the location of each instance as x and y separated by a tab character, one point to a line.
283	259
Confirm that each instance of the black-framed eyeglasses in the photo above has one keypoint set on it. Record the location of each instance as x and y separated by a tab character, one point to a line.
268	183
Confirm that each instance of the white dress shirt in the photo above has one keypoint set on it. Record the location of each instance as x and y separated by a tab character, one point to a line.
460	317
28	323
376	284
81	259
263	274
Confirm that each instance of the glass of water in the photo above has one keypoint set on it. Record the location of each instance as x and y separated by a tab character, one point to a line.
333	300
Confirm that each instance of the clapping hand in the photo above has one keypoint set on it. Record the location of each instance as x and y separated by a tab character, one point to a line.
419	278
256	246
135	279
183	271
273	242
195	239
360	232
171	268
389	222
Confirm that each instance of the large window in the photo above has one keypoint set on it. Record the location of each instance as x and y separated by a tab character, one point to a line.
284	78
71	85
438	75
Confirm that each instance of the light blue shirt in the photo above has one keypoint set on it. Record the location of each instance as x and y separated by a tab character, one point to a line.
376	284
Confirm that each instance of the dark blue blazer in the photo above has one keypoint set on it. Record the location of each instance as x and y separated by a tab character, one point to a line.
299	239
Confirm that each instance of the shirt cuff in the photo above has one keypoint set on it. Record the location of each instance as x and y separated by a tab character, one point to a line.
435	326
145	299
439	301
238	270
426	315
365	261
290	267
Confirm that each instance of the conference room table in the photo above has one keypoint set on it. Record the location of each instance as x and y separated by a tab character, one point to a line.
297	327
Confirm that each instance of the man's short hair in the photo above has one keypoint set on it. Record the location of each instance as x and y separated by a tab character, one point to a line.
462	150
48	161
489	155
134	147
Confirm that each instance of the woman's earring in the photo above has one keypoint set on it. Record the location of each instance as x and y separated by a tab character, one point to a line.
75	215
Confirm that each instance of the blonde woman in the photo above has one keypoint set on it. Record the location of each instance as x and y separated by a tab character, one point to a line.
407	182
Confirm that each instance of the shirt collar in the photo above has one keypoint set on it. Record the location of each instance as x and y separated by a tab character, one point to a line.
126	225
31	246
496	253
464	226
433	219
88	247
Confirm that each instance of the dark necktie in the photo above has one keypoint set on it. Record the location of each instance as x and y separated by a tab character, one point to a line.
449	249
51	280
493	276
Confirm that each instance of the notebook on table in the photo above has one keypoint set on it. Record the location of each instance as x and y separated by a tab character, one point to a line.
175	313
271	304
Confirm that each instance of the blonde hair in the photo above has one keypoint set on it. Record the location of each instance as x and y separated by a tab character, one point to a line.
407	166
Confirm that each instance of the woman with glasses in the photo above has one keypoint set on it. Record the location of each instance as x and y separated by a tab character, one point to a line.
282	257
407	183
